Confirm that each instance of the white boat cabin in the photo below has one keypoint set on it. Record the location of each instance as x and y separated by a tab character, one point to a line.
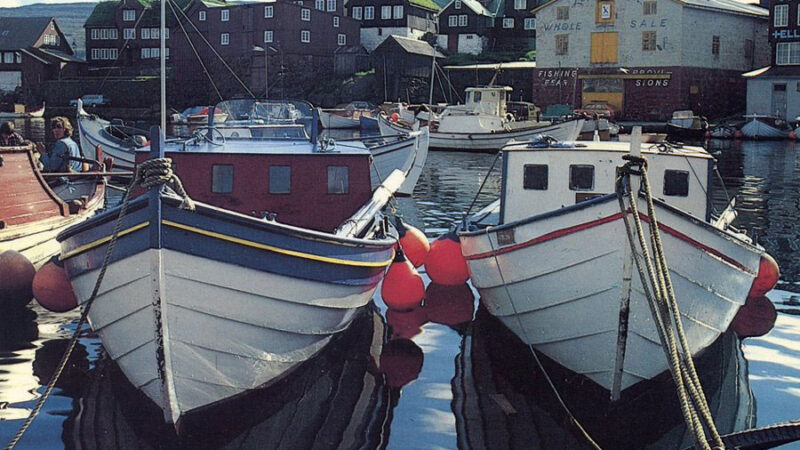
538	180
488	109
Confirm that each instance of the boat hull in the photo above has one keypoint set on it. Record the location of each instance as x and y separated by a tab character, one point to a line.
756	129
675	132
330	120
406	154
225	304
560	284
92	133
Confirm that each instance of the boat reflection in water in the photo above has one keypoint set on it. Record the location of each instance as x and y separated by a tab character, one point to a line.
335	400
501	399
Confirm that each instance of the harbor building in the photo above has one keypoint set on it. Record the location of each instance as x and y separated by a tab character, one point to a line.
649	58
775	89
380	19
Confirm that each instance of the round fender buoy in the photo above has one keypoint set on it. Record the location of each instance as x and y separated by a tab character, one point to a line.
395	117
402	288
755	318
52	289
767	278
445	264
414	243
401	362
406	324
449	305
16	277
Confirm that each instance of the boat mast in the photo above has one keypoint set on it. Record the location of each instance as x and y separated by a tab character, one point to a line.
163	67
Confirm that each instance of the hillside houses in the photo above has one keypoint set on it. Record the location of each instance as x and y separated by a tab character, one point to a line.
380	19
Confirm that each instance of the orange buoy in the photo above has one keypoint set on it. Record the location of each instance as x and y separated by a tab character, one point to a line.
406	324
445	264
767	278
414	243
403	288
16	276
52	288
395	117
449	305
401	362
755	318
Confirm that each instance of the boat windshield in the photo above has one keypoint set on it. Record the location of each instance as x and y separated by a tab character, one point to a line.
265	111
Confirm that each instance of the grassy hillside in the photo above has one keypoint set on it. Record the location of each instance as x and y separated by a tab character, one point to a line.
69	16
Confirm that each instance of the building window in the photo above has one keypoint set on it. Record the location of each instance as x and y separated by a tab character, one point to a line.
145	53
268	12
95	34
201	16
129	33
338	180
535	177
224	15
18	57
457	4
319	4
52	26
604	12
787	53
369	12
268	36
648	41
386	12
335	21
397	12
508	22
562	44
715	45
94	53
280	180
604	48
581	177
145	32
519	4
331	5
305	14
154	33
222	178
357	12
224	38
8	58
342	39
462	20
562	13
452	20
781	15
129	15
530	23
676	183
305	36
649	8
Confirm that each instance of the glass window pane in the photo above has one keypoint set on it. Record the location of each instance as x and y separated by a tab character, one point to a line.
676	183
222	179
581	178
280	180
338	180
535	177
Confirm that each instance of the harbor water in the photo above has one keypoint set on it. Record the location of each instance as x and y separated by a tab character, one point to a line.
444	376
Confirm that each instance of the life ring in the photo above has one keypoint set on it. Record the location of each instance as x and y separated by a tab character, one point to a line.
509	117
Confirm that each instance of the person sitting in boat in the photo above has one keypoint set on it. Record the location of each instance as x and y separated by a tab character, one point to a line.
9	137
62	156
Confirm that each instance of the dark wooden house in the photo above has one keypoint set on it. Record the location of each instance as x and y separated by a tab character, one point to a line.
383	18
515	26
403	64
465	26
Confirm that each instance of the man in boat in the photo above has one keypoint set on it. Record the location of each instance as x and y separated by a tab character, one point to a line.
64	155
9	137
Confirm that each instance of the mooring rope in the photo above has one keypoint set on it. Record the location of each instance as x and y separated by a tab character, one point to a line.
151	173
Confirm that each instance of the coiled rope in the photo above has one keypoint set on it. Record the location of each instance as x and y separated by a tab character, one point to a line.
664	306
151	173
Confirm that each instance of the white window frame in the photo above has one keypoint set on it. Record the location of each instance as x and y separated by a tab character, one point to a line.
781	16
341	39
145	53
397	11
356	12
520	4
95	54
269	12
305	36
386	12
224	38
201	16
145	33
103	35
457	4
462	20
8	58
452	20
166	33
225	15
95	35
787	53
129	33
508	22
331	5
530	23
155	33
305	14
369	12
268	36
319	4
129	15
335	21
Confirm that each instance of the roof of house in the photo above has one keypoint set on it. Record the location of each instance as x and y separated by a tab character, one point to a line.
21	32
729	6
59	55
490	10
353	49
427	4
774	72
102	14
413	46
496	66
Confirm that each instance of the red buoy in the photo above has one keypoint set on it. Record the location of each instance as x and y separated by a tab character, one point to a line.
414	243
445	264
16	276
395	117
401	362
406	324
449	305
755	318
767	278
402	287
52	288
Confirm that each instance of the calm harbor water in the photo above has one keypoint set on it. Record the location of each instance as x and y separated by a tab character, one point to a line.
431	378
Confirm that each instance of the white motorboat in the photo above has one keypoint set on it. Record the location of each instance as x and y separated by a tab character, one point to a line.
348	116
36	113
116	140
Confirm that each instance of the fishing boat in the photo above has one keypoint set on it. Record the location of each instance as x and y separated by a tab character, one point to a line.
406	152
686	125
33	211
553	260
486	122
347	116
23	114
761	126
116	139
284	244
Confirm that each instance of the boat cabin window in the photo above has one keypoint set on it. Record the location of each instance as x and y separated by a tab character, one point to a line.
535	177
476	97
280	180
338	180
222	178
676	183
581	177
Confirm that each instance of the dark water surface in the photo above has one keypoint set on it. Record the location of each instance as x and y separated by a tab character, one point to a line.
430	378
